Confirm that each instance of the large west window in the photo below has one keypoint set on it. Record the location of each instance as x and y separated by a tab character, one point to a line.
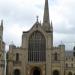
37	47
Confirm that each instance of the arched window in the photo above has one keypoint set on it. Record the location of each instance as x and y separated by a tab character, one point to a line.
72	65
17	56
16	72
37	47
66	65
70	73
55	72
55	57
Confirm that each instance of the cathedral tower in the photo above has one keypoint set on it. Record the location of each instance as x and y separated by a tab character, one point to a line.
34	55
47	24
2	49
1	34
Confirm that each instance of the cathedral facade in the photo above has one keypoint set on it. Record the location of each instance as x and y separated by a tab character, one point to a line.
37	55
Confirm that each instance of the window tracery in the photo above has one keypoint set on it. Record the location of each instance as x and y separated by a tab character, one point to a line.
37	47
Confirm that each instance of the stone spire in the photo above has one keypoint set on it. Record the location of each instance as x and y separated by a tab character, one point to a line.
46	12
46	20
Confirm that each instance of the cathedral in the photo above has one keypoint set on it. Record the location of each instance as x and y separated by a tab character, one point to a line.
37	55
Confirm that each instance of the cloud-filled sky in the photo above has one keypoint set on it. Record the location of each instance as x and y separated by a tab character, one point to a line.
20	15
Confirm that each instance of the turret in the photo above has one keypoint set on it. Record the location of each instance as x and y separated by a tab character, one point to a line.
11	46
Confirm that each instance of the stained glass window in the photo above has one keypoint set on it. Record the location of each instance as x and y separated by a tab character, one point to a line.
37	47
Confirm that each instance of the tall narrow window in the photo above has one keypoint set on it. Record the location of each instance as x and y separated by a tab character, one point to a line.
55	57
17	56
72	65
37	47
66	65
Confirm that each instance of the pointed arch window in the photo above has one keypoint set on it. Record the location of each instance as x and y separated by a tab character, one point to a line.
17	56
66	65
37	47
55	57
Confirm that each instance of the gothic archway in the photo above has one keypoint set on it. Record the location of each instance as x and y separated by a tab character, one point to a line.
55	72
36	71
16	72
70	73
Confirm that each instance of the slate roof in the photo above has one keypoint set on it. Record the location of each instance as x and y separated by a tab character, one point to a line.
69	53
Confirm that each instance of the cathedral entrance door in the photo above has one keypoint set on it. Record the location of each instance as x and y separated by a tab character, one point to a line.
55	72
36	71
16	72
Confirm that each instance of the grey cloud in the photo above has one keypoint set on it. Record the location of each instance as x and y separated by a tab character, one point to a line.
24	16
16	13
65	29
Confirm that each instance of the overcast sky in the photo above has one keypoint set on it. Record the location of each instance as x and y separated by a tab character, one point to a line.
20	15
